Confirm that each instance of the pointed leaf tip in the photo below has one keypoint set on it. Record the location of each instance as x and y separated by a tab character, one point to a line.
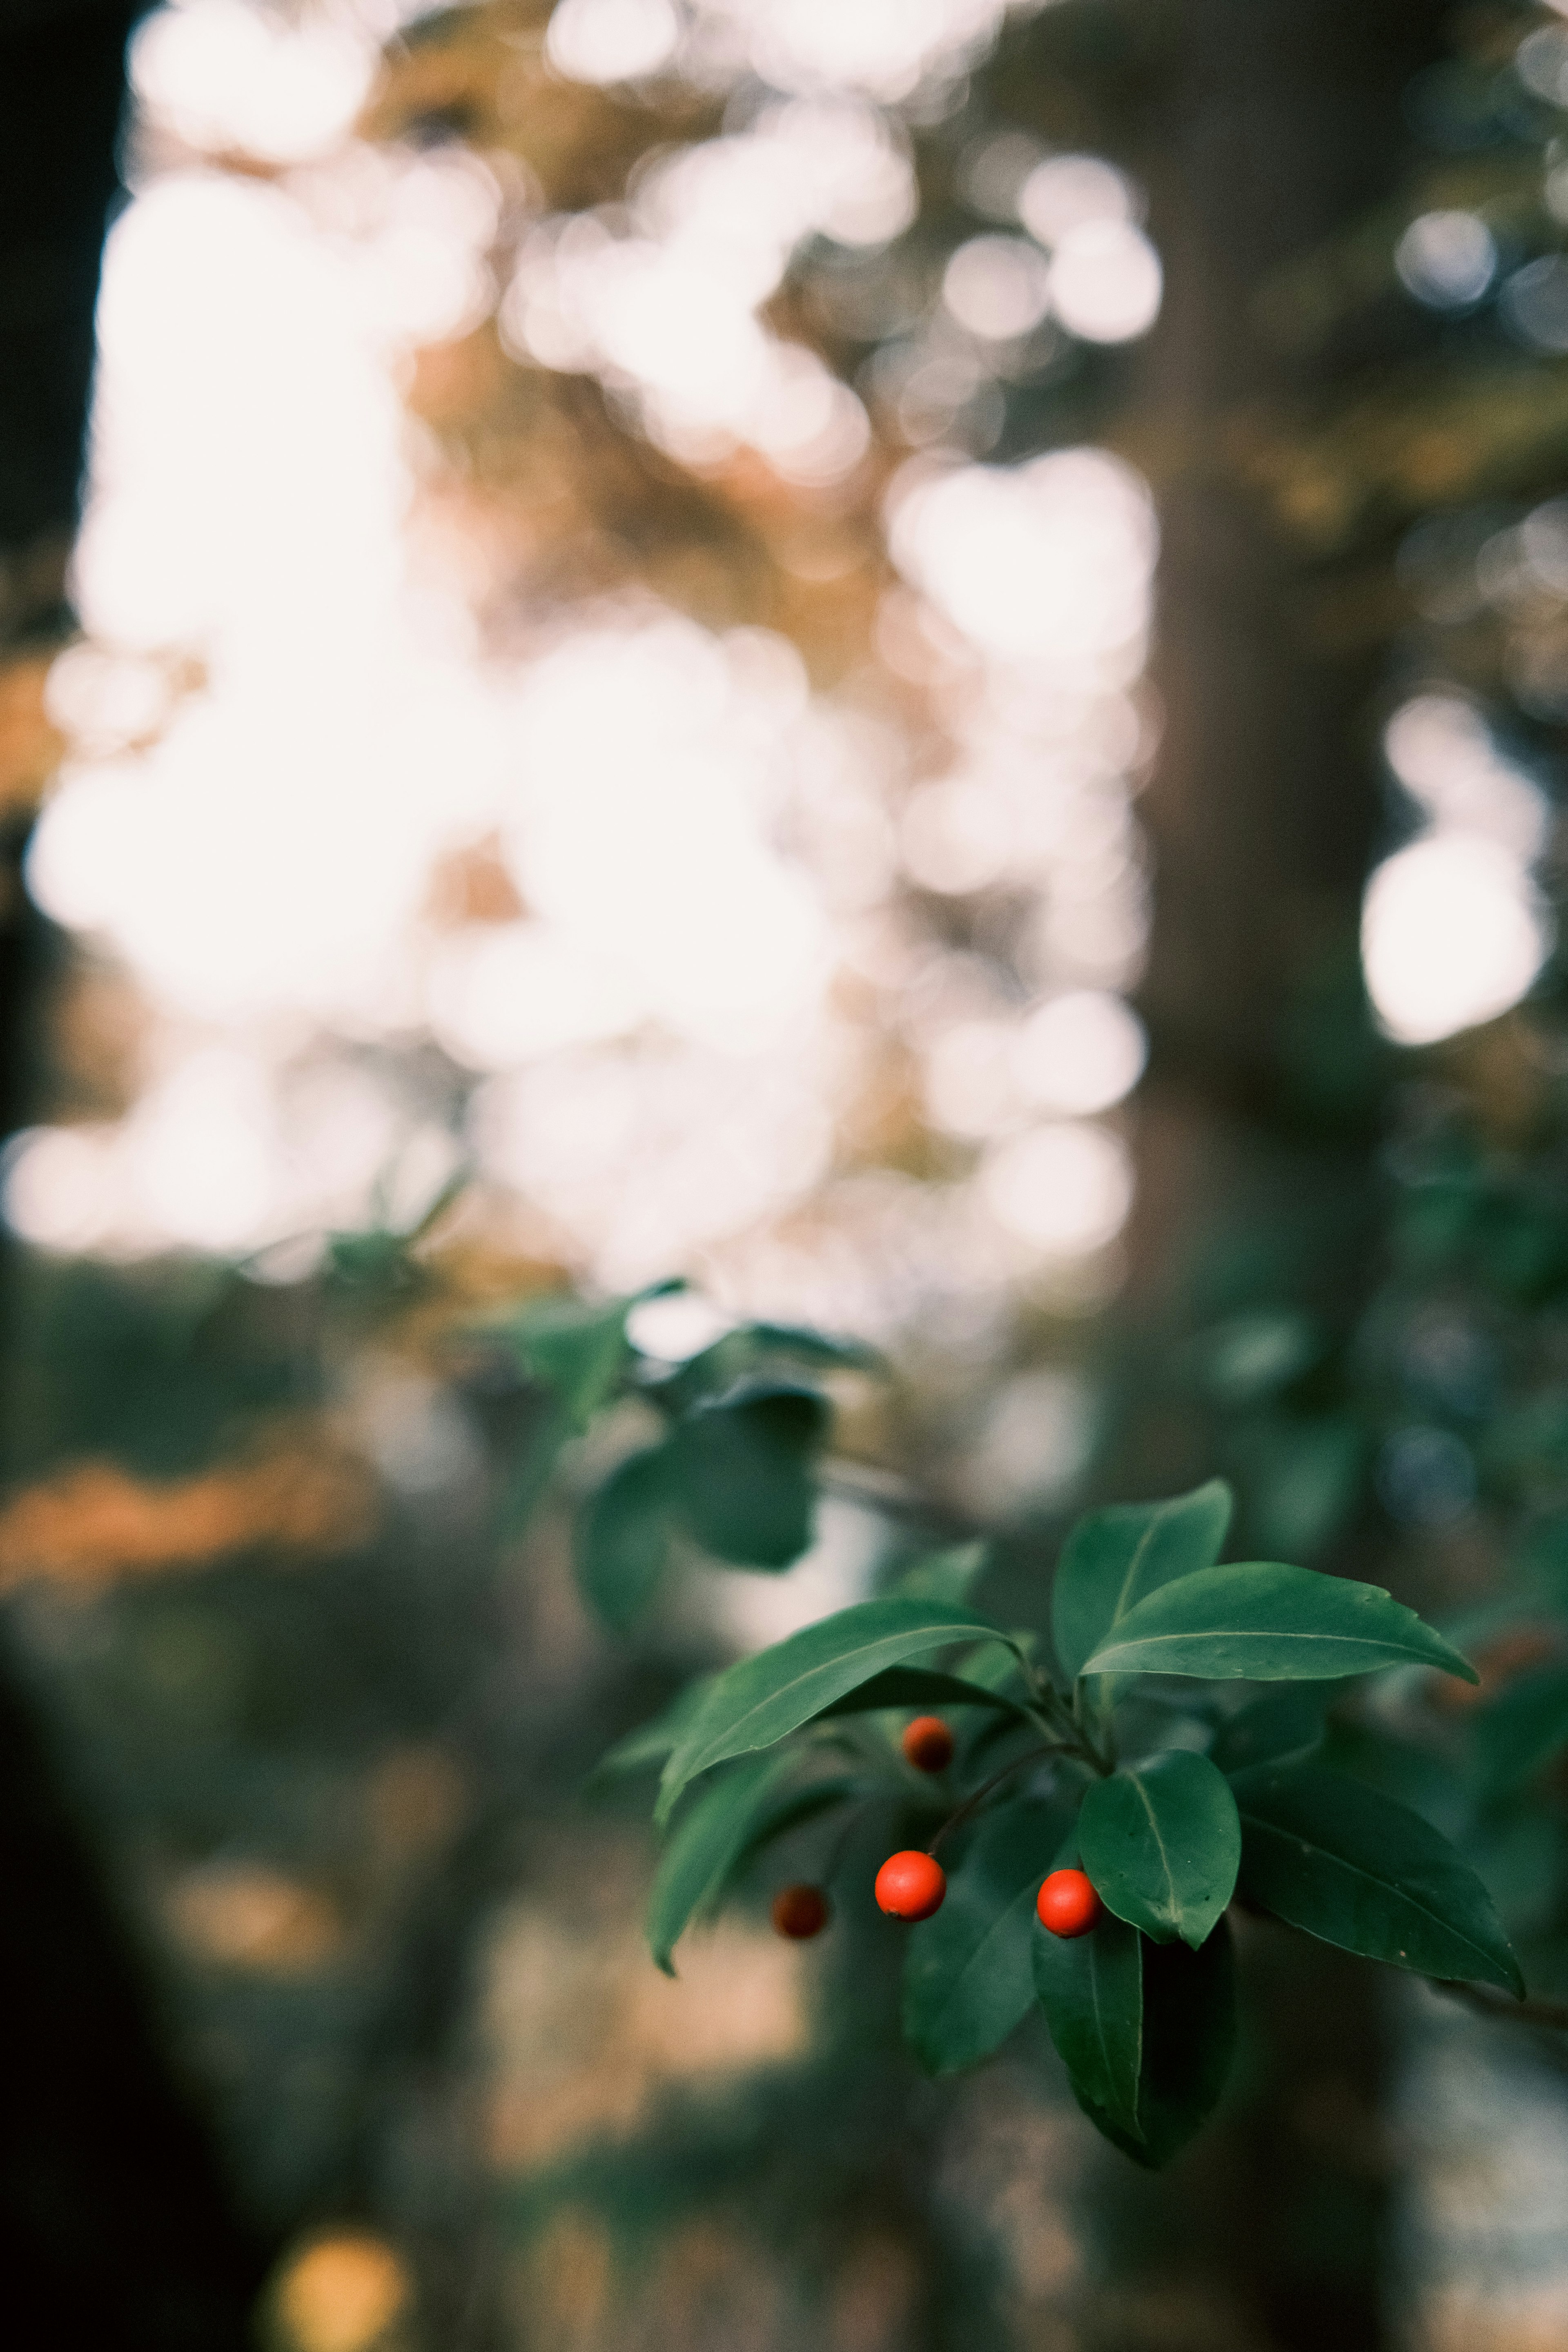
1269	1622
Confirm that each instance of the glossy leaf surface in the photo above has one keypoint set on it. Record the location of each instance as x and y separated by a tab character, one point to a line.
1287	1722
1271	1623
1091	1990
1114	1558
763	1699
1346	1863
1162	1842
968	1976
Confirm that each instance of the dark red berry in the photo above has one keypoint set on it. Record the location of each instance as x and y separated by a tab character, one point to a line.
928	1744
800	1912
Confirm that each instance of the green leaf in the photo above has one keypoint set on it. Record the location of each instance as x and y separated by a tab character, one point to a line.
726	1822
1270	1622
761	1699
1253	1354
623	1538
1113	1559
968	1974
743	1467
533	1471
1091	1990
1350	1865
833	1352
920	1686
944	1575
1163	1843
1517	1732
577	1349
652	1741
1280	1723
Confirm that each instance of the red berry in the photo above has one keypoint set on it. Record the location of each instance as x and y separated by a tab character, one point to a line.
800	1912
910	1885
928	1744
1067	1904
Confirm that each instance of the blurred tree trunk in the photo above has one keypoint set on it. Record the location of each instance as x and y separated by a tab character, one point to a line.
116	2227
1281	121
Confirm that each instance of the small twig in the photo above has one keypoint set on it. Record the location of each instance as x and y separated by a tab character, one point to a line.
972	1803
1549	2014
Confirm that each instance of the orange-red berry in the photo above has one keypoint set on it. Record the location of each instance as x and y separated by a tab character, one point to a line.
800	1912
1067	1904
910	1885
928	1744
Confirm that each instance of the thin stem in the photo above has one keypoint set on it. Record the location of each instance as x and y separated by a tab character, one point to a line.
1553	2014
972	1803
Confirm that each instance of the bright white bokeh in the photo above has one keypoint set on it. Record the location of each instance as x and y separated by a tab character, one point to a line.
997	287
1454	929
886	48
1080	1052
1052	559
1442	751
1453	933
612	40
285	726
1447	259
226	74
1065	1188
1106	282
1067	193
668	310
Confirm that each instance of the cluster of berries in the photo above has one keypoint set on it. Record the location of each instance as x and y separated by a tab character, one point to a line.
910	1885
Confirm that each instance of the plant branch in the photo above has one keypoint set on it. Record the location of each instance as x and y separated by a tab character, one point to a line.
972	1803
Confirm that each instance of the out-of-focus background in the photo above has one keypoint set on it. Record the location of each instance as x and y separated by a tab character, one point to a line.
906	657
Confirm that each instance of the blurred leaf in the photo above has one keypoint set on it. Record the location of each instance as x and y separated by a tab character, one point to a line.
724	1822
1280	1723
1091	1990
832	1351
533	1471
761	1699
1113	1559
579	1351
968	1977
1252	1355
1518	1731
1301	1477
652	1741
1162	1842
1270	1622
944	1575
1347	1864
372	1261
623	1538
743	1466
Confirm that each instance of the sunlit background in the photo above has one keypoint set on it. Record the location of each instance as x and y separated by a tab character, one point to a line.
591	691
